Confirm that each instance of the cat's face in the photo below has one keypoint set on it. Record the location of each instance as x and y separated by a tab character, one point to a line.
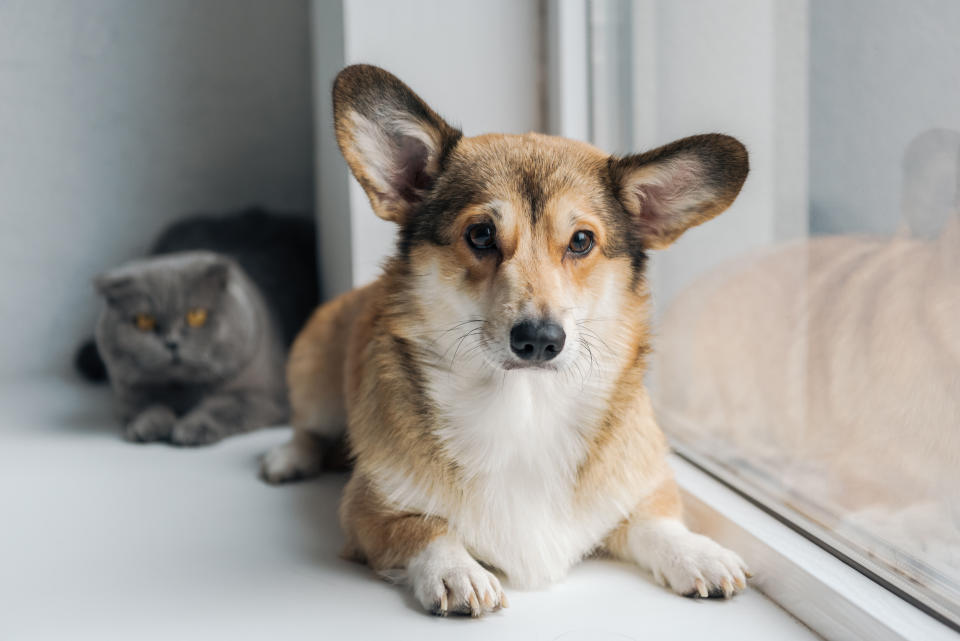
185	318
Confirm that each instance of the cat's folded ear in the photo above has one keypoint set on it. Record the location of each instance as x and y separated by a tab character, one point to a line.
680	185
114	285
394	143
215	273
211	274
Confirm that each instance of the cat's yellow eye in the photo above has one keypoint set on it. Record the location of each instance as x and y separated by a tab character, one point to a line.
197	317
145	322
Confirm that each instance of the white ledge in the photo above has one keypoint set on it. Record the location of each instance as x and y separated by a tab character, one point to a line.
103	539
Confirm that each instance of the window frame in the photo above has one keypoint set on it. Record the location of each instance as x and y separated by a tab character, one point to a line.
813	584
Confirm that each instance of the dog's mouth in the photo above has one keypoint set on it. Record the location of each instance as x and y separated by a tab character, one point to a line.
513	364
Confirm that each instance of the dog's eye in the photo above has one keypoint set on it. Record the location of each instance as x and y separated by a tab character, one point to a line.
581	243
481	236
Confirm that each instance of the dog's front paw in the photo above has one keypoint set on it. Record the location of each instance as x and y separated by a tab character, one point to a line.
152	424
447	580
696	566
292	461
196	429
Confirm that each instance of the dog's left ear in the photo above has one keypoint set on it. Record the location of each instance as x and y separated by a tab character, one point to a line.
680	185
393	142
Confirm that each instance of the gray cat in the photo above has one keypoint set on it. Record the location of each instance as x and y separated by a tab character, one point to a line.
191	348
194	337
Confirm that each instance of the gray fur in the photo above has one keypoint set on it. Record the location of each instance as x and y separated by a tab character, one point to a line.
220	379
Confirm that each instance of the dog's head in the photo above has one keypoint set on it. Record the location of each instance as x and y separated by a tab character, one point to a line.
528	245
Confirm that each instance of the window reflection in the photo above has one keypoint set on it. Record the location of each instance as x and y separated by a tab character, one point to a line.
827	371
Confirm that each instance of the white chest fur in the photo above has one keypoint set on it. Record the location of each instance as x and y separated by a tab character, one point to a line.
518	438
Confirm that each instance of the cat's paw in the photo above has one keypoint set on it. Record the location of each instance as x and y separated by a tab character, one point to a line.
696	566
196	429
152	424
292	461
447	580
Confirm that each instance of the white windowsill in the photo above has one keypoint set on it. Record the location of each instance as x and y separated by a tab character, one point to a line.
103	540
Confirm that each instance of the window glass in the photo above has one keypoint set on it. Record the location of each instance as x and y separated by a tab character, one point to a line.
817	363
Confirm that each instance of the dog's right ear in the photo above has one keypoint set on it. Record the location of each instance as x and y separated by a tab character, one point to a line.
393	142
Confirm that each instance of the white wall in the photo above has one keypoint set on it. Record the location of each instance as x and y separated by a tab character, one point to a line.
118	116
333	177
475	63
882	71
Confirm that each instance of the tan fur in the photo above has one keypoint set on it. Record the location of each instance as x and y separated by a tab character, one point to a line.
388	348
664	501
315	372
378	535
389	423
387	430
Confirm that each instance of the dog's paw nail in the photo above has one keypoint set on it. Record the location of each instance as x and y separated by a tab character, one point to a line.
488	599
446	579
699	567
702	588
727	588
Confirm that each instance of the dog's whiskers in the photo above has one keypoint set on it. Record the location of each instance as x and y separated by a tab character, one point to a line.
584	326
473	332
443	333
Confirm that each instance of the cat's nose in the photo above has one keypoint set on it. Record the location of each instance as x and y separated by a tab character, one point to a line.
171	344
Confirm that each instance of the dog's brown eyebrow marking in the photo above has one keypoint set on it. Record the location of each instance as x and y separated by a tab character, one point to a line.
531	191
576	217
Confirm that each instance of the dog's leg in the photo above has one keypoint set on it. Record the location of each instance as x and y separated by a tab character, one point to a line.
299	458
690	564
315	380
444	577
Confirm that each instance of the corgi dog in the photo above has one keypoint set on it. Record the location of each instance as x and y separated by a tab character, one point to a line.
490	382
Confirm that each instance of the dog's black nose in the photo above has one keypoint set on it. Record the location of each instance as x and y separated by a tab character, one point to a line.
537	341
